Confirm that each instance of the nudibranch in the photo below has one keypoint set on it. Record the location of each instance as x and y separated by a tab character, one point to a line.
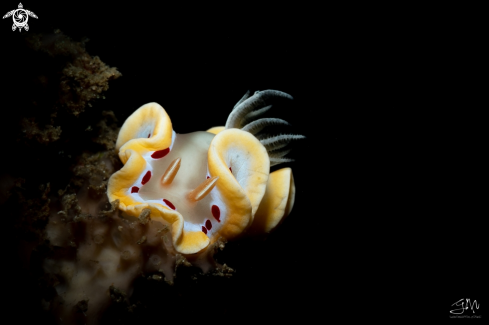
205	184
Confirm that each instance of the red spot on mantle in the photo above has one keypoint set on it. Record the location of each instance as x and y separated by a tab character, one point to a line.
230	169
134	189
160	153
208	177
149	135
146	177
169	204
216	212
208	224
204	230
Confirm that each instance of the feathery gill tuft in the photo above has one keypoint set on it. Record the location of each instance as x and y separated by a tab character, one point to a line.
245	116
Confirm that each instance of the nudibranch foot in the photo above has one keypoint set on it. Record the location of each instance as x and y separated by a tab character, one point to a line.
206	185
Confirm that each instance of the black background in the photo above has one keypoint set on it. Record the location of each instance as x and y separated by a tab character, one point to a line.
367	235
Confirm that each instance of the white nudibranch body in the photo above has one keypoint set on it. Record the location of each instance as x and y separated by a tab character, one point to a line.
205	185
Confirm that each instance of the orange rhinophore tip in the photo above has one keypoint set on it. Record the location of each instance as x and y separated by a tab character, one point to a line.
171	172
203	189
